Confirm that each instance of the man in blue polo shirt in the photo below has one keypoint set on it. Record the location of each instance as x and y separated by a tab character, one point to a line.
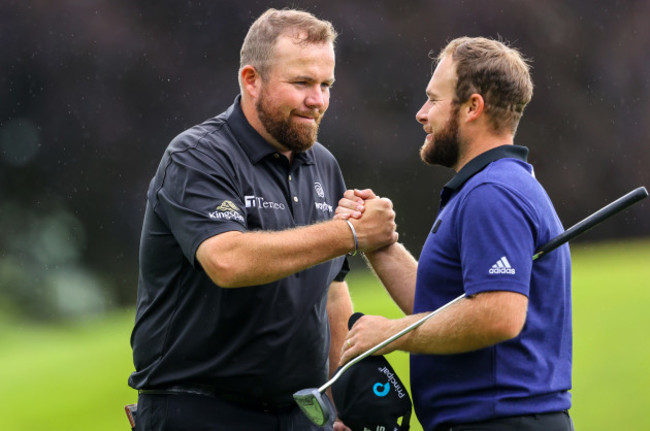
499	359
241	294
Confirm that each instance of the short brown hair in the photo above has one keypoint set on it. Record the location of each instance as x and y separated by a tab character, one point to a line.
257	49
496	71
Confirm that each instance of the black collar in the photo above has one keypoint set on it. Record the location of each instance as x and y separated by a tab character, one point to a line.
478	163
255	146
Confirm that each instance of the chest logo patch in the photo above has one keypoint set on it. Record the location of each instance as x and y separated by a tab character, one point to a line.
319	190
261	203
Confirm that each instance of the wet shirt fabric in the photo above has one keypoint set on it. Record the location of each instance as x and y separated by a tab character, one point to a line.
494	214
263	342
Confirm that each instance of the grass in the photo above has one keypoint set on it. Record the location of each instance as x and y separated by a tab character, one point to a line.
70	377
611	351
73	377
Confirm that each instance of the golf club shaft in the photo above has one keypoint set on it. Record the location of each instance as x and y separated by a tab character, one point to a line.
581	227
386	342
569	234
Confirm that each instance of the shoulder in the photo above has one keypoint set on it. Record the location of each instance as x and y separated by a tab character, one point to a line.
208	134
507	176
322	151
506	185
321	155
206	147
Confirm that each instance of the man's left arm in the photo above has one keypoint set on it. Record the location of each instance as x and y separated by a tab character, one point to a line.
339	310
473	323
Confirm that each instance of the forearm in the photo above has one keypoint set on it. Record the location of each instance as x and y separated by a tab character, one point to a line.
396	268
339	310
471	324
236	259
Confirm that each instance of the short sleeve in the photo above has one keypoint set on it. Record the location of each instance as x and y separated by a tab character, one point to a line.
197	197
497	237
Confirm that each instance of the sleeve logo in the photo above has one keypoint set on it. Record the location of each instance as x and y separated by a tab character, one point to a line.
502	267
227	206
227	210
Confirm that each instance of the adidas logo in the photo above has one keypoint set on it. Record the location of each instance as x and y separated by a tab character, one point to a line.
502	267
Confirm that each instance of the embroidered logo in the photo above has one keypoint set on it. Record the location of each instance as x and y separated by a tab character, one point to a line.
261	203
319	190
227	210
227	206
502	267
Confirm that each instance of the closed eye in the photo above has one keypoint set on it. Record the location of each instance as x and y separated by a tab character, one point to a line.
432	98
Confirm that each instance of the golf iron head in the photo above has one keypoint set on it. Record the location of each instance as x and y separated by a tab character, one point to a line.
315	405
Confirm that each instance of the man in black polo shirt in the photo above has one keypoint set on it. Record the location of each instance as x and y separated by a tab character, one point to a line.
241	296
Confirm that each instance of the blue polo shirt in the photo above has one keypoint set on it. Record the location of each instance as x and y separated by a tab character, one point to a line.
493	216
259	342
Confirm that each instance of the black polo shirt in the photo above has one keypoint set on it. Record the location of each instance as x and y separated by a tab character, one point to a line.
267	341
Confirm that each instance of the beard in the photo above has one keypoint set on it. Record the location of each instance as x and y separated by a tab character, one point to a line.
297	138
444	148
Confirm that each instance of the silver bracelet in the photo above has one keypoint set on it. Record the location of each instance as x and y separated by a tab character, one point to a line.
356	240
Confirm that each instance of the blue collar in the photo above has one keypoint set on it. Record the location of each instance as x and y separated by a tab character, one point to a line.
477	164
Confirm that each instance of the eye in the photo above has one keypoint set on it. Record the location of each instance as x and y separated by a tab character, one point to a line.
431	98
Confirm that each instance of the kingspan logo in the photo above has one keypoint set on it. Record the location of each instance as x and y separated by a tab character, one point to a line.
227	210
502	267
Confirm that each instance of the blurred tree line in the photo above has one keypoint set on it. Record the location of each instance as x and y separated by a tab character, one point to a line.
92	92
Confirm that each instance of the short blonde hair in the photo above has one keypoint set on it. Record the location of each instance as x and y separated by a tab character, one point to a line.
257	49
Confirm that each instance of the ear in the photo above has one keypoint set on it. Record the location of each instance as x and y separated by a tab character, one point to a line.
250	80
474	107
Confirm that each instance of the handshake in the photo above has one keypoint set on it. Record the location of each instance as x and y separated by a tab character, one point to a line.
371	219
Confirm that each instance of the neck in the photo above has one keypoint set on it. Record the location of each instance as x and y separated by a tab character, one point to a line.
480	146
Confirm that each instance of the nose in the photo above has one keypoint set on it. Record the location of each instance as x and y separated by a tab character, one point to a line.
422	115
317	98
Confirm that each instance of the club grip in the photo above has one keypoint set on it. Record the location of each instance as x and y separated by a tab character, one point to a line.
353	319
579	228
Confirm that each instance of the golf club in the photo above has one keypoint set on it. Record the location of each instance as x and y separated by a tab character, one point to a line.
314	404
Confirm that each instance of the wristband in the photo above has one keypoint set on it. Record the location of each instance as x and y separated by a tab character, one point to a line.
356	241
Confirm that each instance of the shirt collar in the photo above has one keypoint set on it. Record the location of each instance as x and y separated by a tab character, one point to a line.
478	163
255	146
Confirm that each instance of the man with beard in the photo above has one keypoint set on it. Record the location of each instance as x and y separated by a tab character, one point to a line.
241	295
500	358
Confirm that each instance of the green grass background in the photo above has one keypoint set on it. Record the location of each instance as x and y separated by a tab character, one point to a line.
73	377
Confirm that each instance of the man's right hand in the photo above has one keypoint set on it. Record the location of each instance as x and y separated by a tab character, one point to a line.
373	218
352	204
